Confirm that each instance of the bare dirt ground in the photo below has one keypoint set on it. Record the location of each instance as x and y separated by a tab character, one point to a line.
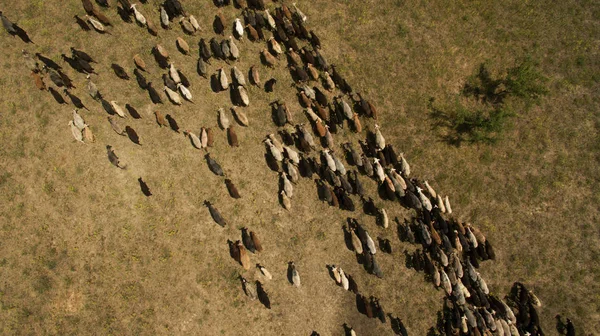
82	251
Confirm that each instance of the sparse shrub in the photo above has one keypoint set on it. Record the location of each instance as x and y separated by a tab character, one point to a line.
481	113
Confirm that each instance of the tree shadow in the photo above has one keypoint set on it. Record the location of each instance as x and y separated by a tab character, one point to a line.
484	88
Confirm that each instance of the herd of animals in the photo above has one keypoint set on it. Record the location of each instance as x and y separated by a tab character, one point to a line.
450	251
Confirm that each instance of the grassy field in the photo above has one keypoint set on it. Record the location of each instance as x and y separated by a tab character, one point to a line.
82	251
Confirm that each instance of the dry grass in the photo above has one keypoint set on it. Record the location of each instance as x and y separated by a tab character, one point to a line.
84	252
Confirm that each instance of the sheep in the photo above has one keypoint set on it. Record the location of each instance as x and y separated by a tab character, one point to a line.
205	52
92	89
118	109
424	200
78	120
482	284
328	138
187	26
344	279
389	188
285	200
306	135
440	203
223	120
194	22
447	205
223	81
329	160
214	166
294	276
10	27
471	237
477	233
254	75
292	155
274	46
133	136
375	268
113	158
287	185
436	277
201	68
160	119
247	240
252	33
216	216
204	137
232	137
154	95
369	242
430	190
249	289
275	152
238	76
268	58
101	17
76	131
345	108
270	20
141	80
356	243
383	218
88	135
336	274
182	45
115	126
446	282
240	116
219	23
238	28
404	167
30	63
243	95
233	49
187	95
193	138
291	170
88	6
339	166
164	17
378	170
244	258
300	14
139	17
265	272
256	241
